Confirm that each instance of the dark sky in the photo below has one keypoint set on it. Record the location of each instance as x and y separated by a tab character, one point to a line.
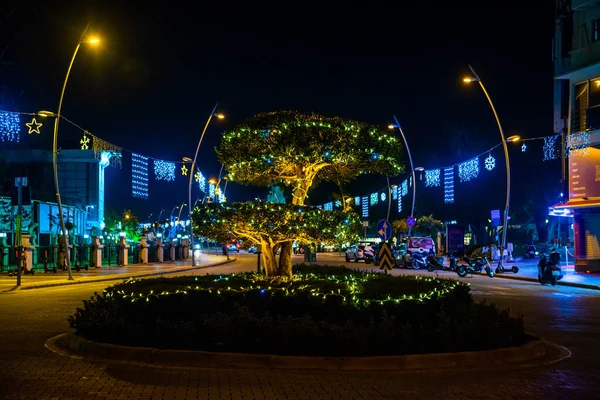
161	67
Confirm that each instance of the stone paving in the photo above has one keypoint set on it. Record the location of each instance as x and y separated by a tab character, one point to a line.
29	371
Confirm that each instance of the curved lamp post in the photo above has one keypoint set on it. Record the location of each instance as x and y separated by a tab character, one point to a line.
412	169
212	114
55	142
475	78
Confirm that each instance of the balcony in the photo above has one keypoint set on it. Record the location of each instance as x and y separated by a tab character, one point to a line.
585	56
580	5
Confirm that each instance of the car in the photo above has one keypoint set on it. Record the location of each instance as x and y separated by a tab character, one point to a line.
357	252
234	247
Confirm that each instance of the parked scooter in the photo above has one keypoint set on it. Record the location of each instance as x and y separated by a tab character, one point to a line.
474	266
418	260
549	270
437	263
531	252
371	255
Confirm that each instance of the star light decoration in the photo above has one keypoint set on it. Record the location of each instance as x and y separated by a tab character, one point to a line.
85	141
432	177
468	170
184	170
139	176
164	170
34	126
449	185
10	126
374	199
365	206
523	147
201	181
490	162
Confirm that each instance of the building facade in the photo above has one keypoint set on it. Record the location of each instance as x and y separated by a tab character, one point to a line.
576	56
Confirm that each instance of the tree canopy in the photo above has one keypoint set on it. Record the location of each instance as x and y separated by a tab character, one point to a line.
300	150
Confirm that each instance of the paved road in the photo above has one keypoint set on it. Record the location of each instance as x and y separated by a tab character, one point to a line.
567	316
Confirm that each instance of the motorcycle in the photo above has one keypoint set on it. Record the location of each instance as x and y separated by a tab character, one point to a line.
418	260
531	252
549	270
474	266
437	263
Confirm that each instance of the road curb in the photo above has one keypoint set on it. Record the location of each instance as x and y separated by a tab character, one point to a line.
561	283
87	348
114	278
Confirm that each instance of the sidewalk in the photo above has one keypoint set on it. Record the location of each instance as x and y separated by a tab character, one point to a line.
41	279
528	272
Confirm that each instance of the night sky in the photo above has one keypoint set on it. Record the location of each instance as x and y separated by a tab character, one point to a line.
151	84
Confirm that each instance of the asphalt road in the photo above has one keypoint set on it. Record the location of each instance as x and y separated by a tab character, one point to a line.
567	316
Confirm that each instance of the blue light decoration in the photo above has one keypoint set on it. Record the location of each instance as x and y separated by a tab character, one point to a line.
468	170
211	190
399	204
338	203
577	144
10	126
139	176
395	192
164	170
449	185
365	207
221	198
328	206
523	147
405	187
490	162
374	199
383	196
357	201
201	181
432	177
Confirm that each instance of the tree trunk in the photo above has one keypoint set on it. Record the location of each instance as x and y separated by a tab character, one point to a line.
269	263
285	259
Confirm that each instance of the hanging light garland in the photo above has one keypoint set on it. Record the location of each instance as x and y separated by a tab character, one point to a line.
490	162
10	126
432	177
549	148
365	207
211	190
338	203
374	199
405	187
383	196
468	170
201	181
139	176
578	144
101	146
399	204
357	201
395	192
164	170
328	206
449	185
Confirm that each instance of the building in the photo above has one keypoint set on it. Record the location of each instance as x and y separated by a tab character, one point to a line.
576	55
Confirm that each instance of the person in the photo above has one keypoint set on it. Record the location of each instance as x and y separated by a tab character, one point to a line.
226	250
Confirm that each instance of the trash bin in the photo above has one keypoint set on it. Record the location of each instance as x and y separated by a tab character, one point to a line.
310	255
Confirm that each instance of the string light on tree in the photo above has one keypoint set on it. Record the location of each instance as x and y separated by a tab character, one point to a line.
468	170
490	162
432	177
164	170
34	126
365	207
85	141
449	185
10	126
374	199
139	176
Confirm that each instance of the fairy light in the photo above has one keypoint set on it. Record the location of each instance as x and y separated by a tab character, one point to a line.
468	170
338	203
328	206
211	190
164	170
139	176
395	192
449	185
357	201
405	187
365	207
201	181
10	126
577	144
490	162
432	177
374	199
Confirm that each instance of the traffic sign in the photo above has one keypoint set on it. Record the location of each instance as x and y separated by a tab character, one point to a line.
384	230
410	221
386	261
365	224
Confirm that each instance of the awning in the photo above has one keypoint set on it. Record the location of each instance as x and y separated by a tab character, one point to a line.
577	204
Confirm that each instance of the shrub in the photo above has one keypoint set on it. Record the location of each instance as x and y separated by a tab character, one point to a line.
326	311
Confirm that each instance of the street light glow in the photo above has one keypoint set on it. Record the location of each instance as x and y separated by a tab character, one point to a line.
94	40
220	116
514	138
186	159
45	114
468	80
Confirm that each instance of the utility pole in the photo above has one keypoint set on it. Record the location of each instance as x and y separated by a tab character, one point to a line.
20	182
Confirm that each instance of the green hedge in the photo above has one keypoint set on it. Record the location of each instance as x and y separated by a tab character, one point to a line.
328	311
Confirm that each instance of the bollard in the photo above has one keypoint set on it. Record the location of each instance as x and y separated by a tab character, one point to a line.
123	252
159	250
143	245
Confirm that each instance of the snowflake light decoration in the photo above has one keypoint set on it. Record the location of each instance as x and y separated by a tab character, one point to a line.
490	162
468	170
365	207
85	141
10	126
338	203
164	170
383	196
549	148
432	177
374	199
449	185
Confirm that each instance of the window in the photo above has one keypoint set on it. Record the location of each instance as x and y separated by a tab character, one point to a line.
595	30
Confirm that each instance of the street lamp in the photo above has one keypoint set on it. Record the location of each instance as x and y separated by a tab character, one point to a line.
412	169
212	114
82	40
475	78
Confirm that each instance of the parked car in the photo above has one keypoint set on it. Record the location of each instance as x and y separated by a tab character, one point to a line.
358	251
234	247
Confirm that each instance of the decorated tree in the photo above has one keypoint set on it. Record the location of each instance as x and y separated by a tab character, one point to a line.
271	225
300	150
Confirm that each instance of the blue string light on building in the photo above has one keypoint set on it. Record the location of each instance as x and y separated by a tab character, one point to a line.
164	170
139	176
365	207
449	185
468	170
432	177
10	126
